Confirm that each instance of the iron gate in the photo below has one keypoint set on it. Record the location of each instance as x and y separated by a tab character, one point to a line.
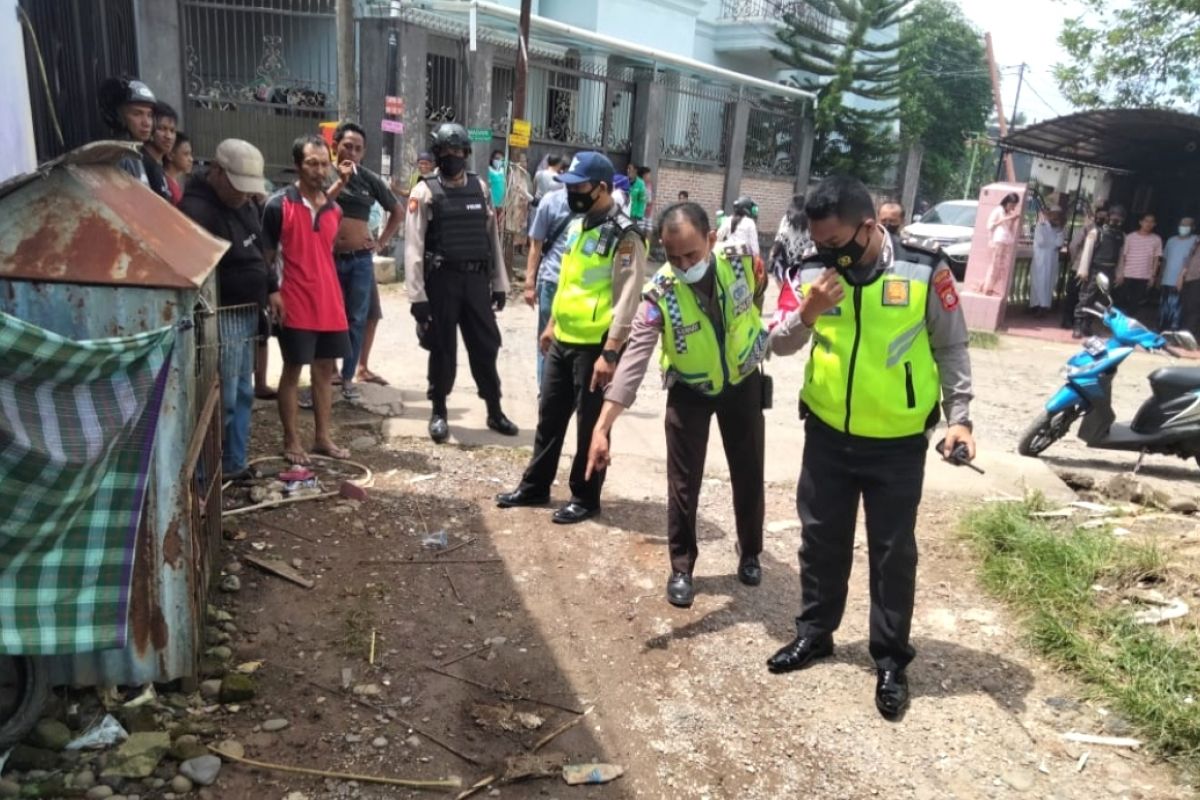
264	72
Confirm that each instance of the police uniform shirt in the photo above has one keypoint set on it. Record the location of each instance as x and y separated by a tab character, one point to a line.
414	240
944	321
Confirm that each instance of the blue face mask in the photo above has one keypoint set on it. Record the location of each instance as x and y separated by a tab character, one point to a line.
694	273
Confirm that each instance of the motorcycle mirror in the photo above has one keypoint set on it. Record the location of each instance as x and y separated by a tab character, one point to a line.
1102	283
1184	339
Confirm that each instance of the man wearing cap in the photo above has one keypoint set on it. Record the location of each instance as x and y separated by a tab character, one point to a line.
590	320
300	224
219	201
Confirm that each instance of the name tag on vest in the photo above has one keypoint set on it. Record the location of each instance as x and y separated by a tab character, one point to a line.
741	296
895	291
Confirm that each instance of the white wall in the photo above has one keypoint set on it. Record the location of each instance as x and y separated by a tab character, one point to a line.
18	153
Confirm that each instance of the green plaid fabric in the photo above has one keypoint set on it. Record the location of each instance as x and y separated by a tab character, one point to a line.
77	422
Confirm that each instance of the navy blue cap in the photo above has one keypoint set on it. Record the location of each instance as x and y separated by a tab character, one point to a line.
588	167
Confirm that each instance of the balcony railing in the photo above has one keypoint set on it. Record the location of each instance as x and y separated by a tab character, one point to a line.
764	10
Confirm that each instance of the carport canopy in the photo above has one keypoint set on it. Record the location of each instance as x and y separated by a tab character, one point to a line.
1128	140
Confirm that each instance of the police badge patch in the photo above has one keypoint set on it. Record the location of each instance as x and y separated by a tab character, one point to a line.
895	292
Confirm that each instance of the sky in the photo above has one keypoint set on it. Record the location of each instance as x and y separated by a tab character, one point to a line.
1026	31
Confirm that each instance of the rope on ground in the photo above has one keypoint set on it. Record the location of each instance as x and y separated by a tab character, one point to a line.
451	783
366	480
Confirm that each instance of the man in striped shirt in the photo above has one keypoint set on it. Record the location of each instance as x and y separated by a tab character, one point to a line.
1140	260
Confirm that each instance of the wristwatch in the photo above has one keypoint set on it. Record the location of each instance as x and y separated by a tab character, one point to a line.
610	356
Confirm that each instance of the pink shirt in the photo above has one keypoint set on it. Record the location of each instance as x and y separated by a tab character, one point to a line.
1141	254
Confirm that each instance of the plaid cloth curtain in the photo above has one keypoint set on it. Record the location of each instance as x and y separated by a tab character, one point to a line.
77	423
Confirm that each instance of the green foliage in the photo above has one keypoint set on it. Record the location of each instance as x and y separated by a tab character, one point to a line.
1132	55
846	50
946	93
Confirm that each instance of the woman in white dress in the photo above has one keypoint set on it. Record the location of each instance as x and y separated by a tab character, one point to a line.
1043	272
1002	227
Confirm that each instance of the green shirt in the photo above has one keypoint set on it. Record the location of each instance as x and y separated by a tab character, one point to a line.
637	199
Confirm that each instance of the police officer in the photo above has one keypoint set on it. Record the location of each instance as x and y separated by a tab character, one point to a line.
706	306
1105	252
597	296
454	269
889	339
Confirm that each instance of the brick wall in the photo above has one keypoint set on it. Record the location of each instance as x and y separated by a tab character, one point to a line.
704	185
773	195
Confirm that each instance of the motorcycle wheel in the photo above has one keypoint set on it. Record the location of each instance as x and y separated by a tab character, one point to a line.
24	687
1045	430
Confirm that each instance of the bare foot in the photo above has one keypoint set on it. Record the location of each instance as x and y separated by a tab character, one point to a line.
266	393
366	376
331	450
295	454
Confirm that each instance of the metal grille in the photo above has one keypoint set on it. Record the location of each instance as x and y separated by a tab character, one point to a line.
442	90
81	43
696	122
760	10
264	72
771	141
504	82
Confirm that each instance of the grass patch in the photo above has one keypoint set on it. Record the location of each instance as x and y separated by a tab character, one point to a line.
353	638
983	340
1047	573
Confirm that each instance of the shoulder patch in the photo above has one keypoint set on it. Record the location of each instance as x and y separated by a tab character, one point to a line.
653	315
943	285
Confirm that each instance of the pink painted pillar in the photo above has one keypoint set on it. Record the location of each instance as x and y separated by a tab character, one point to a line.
983	312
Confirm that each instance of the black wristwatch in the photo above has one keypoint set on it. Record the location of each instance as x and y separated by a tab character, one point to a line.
610	356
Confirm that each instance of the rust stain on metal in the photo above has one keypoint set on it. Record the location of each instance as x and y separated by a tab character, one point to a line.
146	621
173	545
168	313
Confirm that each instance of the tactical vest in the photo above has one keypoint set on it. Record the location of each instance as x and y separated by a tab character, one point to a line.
457	232
582	307
1109	243
871	372
693	350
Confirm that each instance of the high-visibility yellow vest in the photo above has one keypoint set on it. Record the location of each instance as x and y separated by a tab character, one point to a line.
582	308
871	372
693	349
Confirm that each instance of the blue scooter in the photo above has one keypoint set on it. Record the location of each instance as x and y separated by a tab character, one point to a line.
1167	423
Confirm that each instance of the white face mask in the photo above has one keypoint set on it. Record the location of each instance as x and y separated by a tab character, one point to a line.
496	162
694	273
1185	230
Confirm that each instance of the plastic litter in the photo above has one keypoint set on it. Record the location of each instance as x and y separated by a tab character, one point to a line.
437	540
579	774
104	733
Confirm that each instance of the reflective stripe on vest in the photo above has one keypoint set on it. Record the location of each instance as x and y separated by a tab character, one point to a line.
871	372
692	351
582	307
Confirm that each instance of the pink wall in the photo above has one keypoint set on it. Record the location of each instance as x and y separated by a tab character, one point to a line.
987	313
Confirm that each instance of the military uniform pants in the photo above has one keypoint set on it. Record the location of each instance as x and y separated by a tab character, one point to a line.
462	300
888	475
566	391
740	420
1090	294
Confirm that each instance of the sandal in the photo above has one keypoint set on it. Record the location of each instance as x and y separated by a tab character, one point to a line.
367	376
334	452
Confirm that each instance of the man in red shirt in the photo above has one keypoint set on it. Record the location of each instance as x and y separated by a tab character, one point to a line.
299	225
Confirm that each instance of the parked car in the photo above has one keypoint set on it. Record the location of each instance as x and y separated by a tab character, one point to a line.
950	226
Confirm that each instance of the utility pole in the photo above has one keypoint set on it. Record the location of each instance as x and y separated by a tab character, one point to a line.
347	74
1006	158
518	102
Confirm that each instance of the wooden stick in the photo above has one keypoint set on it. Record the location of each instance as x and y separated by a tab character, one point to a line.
561	729
453	588
403	561
300	536
503	692
345	776
470	759
452	549
464	656
280	569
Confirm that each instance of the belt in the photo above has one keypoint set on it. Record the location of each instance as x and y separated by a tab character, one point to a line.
473	267
349	254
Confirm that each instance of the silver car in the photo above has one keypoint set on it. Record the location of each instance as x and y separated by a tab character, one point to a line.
950	226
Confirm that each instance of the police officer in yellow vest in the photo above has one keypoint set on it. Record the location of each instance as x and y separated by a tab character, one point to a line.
889	341
590	320
705	303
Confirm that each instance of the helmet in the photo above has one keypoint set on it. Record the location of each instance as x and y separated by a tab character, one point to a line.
744	205
116	92
450	134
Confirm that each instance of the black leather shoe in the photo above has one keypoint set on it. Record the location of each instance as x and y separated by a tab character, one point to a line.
503	425
679	590
749	570
573	512
801	652
521	497
891	693
439	429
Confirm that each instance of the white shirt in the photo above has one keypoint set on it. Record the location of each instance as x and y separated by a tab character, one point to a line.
746	233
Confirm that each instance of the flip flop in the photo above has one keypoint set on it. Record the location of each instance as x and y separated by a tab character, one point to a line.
370	377
335	452
337	380
297	458
266	394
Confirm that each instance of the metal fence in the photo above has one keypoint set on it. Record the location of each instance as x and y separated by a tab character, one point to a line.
759	10
264	72
696	122
443	89
772	143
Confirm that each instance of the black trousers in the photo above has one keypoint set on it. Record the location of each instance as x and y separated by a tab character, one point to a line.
1132	294
740	419
462	300
1070	300
1090	293
888	475
1189	299
566	391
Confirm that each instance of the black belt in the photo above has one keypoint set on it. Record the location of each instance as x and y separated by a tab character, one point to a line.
354	253
474	267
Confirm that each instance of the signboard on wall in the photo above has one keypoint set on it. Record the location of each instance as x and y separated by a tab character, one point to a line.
391	126
393	106
481	134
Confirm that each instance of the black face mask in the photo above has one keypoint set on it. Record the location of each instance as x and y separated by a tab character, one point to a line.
451	166
580	202
845	257
893	229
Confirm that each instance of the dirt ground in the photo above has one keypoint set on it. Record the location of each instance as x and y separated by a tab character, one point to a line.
554	621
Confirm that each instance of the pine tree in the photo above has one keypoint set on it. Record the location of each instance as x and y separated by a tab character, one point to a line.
846	49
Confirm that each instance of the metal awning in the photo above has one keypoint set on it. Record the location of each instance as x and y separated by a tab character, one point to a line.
1117	139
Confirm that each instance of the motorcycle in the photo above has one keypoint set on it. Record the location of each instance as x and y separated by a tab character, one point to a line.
1168	422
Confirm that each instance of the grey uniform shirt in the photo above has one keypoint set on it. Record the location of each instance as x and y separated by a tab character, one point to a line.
947	329
414	240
